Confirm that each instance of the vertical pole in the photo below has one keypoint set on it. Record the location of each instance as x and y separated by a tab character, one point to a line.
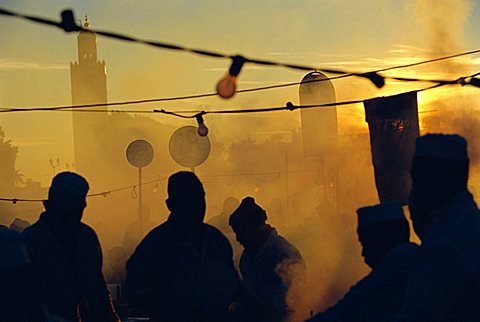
140	196
286	181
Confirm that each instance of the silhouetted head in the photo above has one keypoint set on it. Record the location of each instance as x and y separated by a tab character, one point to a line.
229	205
380	228
248	223
66	199
439	172
186	198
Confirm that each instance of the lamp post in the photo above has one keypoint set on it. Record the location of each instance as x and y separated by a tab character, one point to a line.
140	154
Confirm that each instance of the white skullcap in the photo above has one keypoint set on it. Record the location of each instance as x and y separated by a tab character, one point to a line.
379	213
19	225
443	146
13	253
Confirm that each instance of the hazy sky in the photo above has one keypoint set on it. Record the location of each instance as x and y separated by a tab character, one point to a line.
353	35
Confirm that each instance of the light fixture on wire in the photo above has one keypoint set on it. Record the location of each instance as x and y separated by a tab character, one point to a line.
227	86
202	128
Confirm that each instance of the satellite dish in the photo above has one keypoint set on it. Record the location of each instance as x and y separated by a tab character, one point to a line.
188	148
139	153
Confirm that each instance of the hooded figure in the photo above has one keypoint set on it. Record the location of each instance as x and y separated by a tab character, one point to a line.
444	283
271	267
384	235
183	269
66	255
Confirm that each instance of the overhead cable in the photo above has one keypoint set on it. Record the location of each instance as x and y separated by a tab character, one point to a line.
68	23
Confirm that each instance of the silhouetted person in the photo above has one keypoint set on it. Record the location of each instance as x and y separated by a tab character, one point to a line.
220	221
183	270
447	220
18	293
271	267
137	230
66	255
384	235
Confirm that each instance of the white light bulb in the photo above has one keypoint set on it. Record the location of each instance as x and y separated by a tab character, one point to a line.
202	130
227	86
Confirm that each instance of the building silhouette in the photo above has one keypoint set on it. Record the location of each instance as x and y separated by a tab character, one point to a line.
88	86
320	134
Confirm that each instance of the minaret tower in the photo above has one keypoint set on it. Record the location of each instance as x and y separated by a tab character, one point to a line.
89	86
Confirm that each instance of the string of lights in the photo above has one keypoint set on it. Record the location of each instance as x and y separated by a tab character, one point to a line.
105	193
157	180
179	98
464	80
291	107
203	130
226	87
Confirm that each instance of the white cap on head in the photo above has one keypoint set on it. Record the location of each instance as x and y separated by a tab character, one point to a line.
382	212
13	253
19	225
443	146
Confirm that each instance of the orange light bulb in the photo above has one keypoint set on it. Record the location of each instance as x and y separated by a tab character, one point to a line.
227	86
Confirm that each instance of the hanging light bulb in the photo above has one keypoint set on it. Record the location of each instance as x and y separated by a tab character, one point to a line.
202	128
227	86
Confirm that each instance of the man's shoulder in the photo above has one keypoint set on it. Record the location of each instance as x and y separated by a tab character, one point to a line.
401	259
87	230
217	236
33	230
160	230
160	234
214	231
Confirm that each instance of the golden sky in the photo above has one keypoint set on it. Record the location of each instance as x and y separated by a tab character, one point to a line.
351	35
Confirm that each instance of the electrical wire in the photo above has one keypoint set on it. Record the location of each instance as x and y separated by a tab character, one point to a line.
291	107
177	98
105	193
464	80
153	100
68	24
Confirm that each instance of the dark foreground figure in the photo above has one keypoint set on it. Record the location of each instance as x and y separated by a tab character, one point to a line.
273	270
66	256
183	269
384	234
19	300
444	285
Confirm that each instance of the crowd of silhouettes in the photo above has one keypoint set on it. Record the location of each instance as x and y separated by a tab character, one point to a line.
183	270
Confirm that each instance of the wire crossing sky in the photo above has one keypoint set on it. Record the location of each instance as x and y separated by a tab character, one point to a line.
464	80
68	23
344	36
